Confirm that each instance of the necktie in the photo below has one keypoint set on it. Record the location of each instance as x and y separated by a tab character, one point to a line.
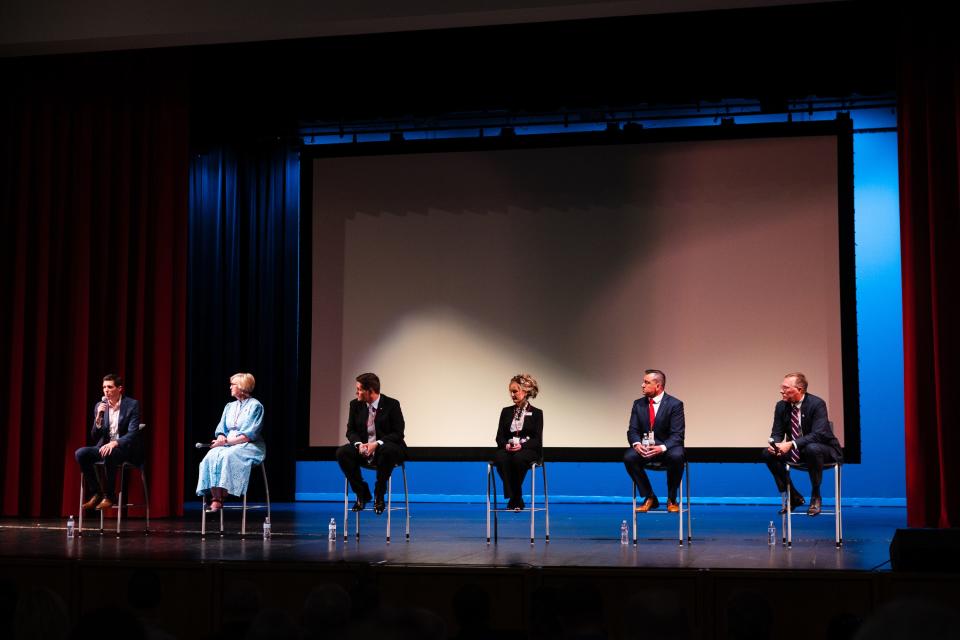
371	429
795	434
653	414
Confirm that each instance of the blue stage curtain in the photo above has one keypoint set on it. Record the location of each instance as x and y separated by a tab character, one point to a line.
243	292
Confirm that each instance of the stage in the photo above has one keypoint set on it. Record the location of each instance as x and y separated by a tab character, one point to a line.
448	552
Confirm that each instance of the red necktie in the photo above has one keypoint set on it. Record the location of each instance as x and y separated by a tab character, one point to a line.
653	414
794	434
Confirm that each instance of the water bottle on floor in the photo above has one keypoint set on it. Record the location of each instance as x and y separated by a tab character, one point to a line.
624	538
332	530
70	529
266	528
771	535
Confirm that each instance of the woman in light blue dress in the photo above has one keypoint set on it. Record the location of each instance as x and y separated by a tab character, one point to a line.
237	447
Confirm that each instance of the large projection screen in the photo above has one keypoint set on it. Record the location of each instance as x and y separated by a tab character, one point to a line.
447	272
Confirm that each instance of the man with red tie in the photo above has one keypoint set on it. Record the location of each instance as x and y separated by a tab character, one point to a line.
801	435
665	448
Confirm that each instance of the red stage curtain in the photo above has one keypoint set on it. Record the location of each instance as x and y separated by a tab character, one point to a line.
929	139
93	191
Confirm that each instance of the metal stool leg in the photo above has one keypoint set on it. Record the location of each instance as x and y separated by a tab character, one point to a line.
533	497
489	466
389	504
123	477
686	472
80	509
789	507
266	485
633	510
243	518
546	501
680	514
406	500
346	498
203	517
146	499
838	509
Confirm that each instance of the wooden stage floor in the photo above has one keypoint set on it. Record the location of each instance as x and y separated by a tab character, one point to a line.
582	535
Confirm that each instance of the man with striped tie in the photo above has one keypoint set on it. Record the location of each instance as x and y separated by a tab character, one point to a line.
801	434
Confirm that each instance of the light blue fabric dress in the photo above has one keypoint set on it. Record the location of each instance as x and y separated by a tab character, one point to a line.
229	466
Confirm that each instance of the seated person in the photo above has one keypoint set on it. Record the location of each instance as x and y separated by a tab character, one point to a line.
237	446
661	414
375	440
116	431
801	434
519	438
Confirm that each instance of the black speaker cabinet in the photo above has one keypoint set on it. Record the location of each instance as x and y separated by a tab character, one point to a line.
936	550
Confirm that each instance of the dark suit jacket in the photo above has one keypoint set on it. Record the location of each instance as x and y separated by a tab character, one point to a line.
532	429
668	428
388	423
128	427
814	424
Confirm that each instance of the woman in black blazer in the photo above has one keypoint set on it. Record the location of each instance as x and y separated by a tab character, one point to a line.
519	438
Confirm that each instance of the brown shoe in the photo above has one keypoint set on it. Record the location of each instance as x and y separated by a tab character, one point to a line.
104	504
650	503
93	501
796	500
673	506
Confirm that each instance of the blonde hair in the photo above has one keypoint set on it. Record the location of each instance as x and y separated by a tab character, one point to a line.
245	381
528	383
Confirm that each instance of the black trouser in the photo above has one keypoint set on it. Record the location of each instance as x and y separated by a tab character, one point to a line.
387	456
671	460
513	467
89	456
812	456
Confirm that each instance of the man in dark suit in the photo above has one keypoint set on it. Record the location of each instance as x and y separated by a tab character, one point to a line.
116	431
801	434
665	413
375	440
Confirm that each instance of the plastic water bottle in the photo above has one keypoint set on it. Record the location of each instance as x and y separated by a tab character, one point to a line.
266	528
771	535
624	538
70	529
332	530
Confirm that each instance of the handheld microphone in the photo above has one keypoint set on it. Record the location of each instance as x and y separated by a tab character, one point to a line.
100	410
201	445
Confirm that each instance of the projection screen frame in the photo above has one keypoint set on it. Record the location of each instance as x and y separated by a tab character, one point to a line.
841	128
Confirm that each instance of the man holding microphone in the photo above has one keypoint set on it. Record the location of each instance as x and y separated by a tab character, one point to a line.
115	430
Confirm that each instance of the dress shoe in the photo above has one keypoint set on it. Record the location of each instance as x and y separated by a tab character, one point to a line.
104	504
815	504
92	502
796	500
361	503
519	505
650	503
379	506
673	506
